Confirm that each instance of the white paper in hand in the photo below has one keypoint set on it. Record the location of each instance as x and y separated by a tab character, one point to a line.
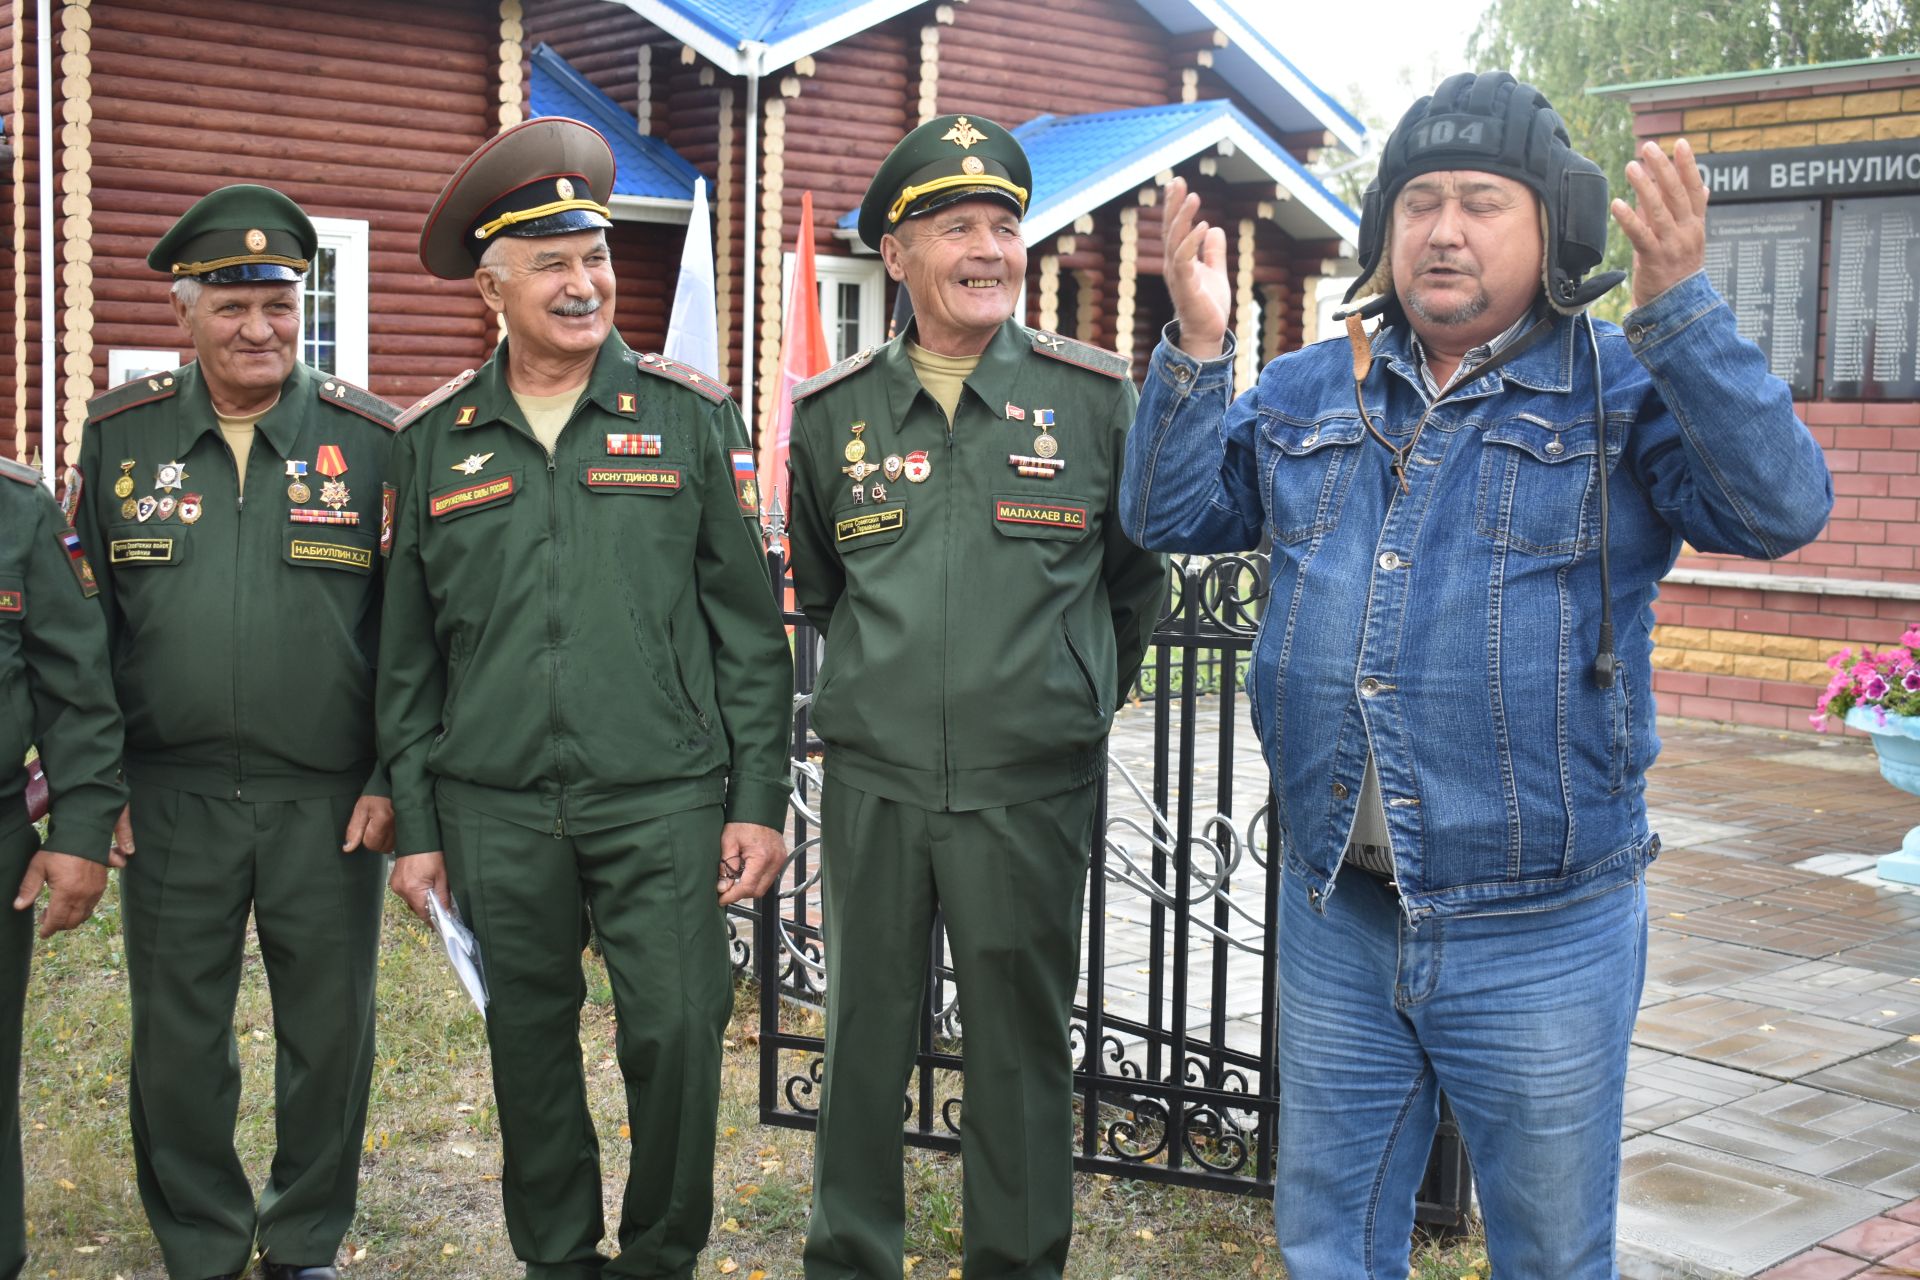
463	950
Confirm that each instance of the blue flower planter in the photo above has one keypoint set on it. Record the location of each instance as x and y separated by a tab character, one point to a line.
1897	743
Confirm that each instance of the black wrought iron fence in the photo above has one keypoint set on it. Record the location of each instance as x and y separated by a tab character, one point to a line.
1175	1033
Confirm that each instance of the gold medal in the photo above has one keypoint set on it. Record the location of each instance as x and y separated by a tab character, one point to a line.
856	449
298	492
123	487
129	509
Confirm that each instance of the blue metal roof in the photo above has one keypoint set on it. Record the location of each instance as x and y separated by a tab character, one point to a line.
1354	122
1074	156
765	21
644	166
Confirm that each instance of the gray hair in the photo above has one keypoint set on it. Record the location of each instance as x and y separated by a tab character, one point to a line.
188	290
494	260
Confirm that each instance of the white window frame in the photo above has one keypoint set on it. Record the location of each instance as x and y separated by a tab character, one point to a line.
351	240
868	274
124	364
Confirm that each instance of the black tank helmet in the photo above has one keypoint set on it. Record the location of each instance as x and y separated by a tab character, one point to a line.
1495	124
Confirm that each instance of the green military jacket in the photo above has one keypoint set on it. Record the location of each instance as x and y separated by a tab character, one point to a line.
243	633
585	639
983	611
54	691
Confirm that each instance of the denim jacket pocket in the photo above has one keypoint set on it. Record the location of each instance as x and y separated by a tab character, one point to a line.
1535	480
1307	467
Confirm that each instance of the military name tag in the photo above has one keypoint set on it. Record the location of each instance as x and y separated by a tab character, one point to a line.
140	551
1050	515
314	552
869	523
496	490
13	602
662	478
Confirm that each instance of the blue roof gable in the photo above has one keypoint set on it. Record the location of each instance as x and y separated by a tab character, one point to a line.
1082	162
645	167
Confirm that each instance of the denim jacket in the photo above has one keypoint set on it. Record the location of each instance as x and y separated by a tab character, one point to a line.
1451	629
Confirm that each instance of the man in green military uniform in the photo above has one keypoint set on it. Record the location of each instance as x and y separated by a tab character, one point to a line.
235	509
53	649
584	701
955	538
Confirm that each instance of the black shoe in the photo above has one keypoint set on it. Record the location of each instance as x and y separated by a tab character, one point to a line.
289	1271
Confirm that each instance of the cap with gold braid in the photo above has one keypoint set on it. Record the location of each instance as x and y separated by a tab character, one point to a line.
548	176
944	161
237	235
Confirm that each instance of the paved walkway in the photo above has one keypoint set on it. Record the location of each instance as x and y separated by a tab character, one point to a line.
1773	1097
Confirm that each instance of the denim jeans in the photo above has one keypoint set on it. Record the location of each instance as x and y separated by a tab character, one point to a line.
1522	1019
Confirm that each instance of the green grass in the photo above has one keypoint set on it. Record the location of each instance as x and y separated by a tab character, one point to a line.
430	1193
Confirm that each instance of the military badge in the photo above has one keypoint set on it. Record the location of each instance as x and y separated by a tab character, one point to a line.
164	510
331	462
190	508
70	495
1038	468
77	557
744	487
1015	413
297	491
859	496
856	449
144	509
1045	444
389	500
917	468
624	402
321	515
879	493
470	465
123	487
860	470
963	134
891	465
169	476
621	444
129	509
465	417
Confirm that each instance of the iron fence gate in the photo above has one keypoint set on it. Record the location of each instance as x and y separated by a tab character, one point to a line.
1175	1076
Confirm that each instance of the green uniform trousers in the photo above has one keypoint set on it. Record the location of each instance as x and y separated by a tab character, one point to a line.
647	890
16	956
1011	883
199	864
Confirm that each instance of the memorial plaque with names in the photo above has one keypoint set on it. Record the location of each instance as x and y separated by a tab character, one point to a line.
1873	265
1764	259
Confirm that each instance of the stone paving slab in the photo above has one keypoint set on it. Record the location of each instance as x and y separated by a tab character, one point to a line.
1663	1088
1724	1212
1765	1039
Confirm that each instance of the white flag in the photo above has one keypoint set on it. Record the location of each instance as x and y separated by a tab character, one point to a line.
693	332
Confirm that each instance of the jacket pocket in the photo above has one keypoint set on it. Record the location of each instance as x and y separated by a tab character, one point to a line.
1620	767
1086	672
1306	467
1535	478
333	549
857	528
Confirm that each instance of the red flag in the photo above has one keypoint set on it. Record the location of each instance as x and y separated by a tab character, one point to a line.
803	353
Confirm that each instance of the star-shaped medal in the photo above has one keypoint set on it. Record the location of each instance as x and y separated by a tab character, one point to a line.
472	464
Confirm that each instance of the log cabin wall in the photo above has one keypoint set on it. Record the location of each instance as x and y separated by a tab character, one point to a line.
13	224
646	265
1012	60
354	108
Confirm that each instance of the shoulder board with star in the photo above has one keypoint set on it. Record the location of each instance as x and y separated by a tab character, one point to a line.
1098	359
19	471
132	394
684	374
846	368
412	412
342	394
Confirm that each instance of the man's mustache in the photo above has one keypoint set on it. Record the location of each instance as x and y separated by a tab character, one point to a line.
1431	261
584	307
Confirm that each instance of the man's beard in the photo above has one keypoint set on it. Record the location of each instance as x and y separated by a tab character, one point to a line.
1465	312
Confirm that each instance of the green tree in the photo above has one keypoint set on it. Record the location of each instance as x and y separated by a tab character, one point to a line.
1566	49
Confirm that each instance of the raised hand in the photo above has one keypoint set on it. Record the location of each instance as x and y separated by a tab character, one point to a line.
1668	230
1196	273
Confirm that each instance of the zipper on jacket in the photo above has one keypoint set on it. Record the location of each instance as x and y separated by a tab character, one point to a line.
239	585
946	632
553	637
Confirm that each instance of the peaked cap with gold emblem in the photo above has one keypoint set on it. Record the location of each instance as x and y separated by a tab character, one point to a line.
549	176
944	161
237	235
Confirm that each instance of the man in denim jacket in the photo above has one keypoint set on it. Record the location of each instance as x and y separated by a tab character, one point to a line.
1459	747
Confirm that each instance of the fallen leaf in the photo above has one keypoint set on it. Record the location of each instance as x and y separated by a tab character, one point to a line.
66	1184
626	1130
448	1250
756	1274
464	1150
731	1224
728	1266
1144	1233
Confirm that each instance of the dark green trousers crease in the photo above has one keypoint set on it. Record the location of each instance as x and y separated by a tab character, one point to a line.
1011	884
647	891
16	958
202	866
